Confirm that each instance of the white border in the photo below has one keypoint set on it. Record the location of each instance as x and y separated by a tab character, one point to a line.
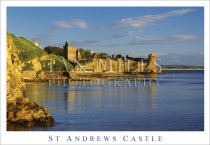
201	137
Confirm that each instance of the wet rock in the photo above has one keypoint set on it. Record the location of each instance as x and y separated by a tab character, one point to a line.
24	112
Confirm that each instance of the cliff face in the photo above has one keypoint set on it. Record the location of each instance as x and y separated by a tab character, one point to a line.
21	110
15	84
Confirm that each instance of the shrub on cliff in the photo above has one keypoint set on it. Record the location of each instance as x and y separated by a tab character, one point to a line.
27	66
54	50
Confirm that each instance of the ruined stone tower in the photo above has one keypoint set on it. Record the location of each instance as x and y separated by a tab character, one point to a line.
151	65
70	52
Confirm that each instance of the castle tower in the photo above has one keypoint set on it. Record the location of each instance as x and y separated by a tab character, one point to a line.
78	55
70	52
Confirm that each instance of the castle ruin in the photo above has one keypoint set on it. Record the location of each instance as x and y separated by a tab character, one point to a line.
119	65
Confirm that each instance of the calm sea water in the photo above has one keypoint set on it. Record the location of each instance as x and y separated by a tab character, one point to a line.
177	104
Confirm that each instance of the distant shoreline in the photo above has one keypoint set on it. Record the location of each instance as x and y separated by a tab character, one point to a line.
87	76
182	69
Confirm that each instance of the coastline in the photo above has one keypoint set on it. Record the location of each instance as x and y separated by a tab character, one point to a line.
192	69
87	76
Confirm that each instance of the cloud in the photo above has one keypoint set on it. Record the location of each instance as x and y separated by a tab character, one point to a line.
96	42
93	42
147	20
163	40
86	42
75	23
120	35
138	40
117	35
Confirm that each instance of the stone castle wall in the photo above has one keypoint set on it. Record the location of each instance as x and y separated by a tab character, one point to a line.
71	53
111	65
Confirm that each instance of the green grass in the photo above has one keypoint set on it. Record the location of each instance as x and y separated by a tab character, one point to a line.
61	61
29	51
27	48
59	64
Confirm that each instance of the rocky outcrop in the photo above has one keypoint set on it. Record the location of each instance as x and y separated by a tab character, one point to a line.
151	65
29	75
21	110
36	64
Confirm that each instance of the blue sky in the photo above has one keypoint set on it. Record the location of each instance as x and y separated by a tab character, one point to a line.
176	34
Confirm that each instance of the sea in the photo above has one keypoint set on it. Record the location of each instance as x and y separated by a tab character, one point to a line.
173	101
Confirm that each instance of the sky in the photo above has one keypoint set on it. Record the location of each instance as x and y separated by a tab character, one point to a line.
175	34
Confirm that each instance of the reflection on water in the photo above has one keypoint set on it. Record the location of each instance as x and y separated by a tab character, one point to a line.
98	95
176	104
153	93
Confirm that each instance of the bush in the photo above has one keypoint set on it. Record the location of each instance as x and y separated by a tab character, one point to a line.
54	50
28	66
135	58
103	55
119	56
85	54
